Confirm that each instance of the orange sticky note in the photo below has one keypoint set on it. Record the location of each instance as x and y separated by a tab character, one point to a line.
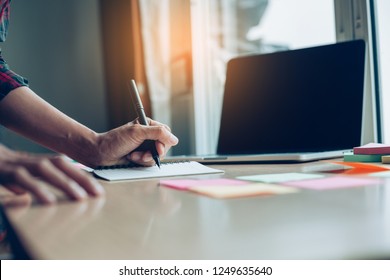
361	168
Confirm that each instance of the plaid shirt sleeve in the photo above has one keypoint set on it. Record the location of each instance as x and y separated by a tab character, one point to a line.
4	19
9	80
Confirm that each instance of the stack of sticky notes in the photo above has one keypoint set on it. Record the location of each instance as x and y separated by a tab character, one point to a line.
372	152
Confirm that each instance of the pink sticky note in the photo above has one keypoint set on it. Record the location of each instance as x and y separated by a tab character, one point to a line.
185	184
372	149
333	183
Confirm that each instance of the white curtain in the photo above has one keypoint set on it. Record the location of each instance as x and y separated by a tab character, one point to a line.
155	34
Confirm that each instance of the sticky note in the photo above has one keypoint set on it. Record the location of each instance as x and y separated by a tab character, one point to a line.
280	177
334	183
242	190
385	159
351	157
372	149
361	167
185	184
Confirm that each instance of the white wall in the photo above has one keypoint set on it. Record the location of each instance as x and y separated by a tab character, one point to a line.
57	46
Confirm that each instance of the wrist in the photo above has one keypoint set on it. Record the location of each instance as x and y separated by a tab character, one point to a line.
104	151
85	149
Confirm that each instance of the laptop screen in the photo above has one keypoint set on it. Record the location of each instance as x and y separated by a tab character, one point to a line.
306	100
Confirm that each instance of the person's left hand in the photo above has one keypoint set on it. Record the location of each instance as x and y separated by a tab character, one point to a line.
25	174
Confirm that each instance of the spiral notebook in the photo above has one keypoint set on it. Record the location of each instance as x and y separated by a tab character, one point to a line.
167	169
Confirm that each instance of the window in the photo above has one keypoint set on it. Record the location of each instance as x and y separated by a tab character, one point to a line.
223	29
188	44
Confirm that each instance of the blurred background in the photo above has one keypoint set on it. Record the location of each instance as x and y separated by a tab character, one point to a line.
79	55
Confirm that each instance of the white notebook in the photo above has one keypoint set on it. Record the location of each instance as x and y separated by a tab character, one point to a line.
166	170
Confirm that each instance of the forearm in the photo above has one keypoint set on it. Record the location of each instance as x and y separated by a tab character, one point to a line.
27	114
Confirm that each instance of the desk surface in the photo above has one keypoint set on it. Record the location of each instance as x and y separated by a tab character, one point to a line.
140	220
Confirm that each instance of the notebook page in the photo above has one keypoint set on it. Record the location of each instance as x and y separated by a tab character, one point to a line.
167	170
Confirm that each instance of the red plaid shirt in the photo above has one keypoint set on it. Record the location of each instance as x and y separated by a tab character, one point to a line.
4	19
9	80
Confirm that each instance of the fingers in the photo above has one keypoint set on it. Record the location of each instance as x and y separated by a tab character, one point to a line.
160	134
156	123
161	148
53	175
19	200
164	140
152	123
22	178
141	158
81	178
34	174
122	144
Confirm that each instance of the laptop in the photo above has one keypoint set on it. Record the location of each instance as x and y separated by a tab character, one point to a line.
292	106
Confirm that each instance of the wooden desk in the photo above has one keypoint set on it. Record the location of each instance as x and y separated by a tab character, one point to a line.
140	220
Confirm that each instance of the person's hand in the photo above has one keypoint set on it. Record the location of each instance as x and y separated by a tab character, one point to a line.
23	173
119	146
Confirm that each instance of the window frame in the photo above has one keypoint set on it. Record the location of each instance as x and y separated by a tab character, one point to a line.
355	19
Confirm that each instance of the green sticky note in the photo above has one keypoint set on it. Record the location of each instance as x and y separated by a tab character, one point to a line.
351	157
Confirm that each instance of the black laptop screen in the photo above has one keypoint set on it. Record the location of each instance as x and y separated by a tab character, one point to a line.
307	100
